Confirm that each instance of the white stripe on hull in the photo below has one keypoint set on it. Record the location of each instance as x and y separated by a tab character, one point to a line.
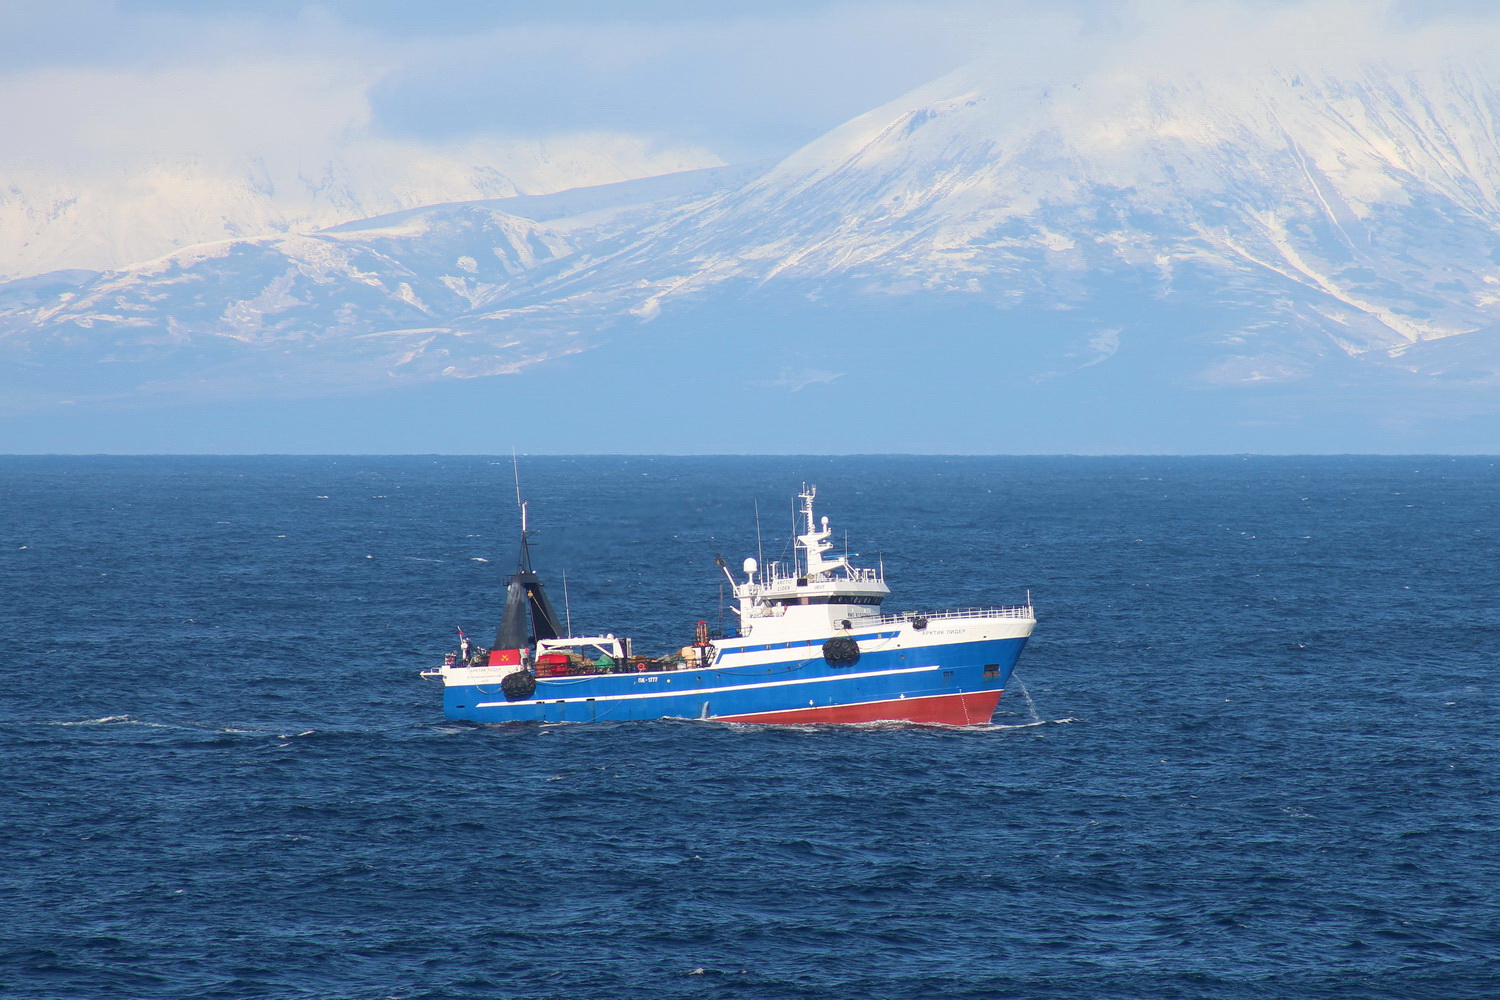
697	692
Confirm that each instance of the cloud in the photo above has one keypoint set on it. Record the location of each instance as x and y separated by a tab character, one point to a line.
82	118
797	379
94	79
218	127
1100	346
1193	37
176	113
746	86
748	78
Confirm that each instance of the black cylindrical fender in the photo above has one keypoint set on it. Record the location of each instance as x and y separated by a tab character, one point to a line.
841	651
518	686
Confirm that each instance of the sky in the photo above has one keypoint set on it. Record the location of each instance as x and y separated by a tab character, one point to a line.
90	80
133	127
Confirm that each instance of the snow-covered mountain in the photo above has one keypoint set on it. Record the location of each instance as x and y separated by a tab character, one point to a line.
141	210
1357	215
1283	226
322	308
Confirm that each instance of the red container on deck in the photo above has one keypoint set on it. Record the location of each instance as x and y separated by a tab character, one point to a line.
552	664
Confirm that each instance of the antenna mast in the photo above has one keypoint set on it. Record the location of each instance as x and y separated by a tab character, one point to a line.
516	467
760	552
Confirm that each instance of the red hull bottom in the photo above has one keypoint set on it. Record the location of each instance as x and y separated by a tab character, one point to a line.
974	708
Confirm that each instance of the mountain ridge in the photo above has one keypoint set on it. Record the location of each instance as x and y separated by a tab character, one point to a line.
1276	227
145	209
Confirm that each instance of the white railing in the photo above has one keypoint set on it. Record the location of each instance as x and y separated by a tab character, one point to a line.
1018	611
779	579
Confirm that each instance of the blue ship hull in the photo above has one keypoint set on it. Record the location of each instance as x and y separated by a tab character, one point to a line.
954	683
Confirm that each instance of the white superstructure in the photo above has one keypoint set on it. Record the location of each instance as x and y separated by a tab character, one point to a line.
815	595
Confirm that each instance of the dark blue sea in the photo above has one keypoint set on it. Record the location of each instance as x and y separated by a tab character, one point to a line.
1252	751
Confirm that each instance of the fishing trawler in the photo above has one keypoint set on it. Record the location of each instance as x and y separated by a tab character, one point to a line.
811	646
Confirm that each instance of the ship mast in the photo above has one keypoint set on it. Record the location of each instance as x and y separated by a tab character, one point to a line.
528	614
814	542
